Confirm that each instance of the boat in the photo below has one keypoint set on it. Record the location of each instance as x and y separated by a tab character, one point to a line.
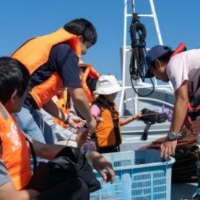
130	102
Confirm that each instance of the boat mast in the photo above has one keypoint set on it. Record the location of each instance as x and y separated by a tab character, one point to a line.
126	50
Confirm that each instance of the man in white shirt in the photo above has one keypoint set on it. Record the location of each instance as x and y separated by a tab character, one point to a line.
182	68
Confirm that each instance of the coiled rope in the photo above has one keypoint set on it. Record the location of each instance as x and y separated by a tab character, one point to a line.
137	60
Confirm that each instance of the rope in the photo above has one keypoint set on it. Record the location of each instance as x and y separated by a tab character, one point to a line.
137	60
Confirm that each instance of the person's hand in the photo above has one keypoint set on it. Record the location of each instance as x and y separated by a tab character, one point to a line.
83	136
76	122
167	148
92	125
137	116
99	119
100	163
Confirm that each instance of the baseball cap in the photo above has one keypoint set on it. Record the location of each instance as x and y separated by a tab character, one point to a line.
154	53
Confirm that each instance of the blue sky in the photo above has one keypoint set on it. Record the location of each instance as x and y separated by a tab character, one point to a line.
24	19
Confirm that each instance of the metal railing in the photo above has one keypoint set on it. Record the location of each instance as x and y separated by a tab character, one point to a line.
127	49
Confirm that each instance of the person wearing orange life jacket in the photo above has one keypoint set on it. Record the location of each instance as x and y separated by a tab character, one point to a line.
182	68
66	134
15	168
63	134
88	76
108	132
52	61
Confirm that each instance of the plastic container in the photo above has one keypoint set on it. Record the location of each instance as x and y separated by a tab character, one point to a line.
139	175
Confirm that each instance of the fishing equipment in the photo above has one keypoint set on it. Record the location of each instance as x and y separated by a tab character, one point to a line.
150	117
137	61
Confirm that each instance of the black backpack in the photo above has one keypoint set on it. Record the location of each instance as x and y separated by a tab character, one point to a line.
68	163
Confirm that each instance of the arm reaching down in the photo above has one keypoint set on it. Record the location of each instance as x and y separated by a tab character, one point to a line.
100	163
81	103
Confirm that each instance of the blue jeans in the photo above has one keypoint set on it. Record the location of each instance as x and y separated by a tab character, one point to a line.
32	124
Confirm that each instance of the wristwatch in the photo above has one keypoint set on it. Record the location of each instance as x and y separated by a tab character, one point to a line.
172	136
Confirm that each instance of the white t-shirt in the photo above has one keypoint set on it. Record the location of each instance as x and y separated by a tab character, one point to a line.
185	66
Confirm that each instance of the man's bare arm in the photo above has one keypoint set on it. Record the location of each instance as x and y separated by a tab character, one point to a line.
80	101
180	108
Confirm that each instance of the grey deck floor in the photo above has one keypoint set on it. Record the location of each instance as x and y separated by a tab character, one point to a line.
182	190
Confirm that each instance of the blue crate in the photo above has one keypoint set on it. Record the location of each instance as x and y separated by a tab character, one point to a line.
139	175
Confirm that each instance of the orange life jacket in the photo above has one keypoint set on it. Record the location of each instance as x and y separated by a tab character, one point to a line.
181	47
35	52
61	103
92	73
15	153
105	131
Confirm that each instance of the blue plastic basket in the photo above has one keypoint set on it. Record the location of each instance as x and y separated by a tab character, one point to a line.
139	175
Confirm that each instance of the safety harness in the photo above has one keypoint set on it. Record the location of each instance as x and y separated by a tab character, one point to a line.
192	107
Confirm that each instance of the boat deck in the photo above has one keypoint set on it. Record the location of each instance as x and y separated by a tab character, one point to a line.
182	190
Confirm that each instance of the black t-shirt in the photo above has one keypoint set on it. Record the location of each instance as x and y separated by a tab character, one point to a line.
62	59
